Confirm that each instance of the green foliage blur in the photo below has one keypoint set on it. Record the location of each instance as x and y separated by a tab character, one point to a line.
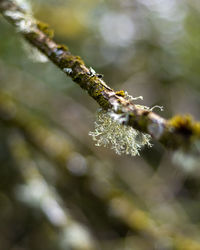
58	191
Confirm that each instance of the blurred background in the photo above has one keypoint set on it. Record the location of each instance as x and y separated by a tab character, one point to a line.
58	191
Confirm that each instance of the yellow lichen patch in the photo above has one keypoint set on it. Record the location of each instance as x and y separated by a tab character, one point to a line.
185	125
120	93
62	47
44	27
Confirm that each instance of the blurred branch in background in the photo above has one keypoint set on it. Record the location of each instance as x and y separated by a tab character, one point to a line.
38	194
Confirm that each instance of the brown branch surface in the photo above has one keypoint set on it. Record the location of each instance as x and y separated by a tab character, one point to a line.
178	132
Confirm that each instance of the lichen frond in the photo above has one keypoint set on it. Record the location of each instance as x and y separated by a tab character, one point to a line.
110	132
24	22
131	98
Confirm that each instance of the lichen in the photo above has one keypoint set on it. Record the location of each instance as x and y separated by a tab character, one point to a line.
131	98
23	22
92	71
120	93
62	47
96	90
114	125
110	131
67	70
157	107
44	27
15	15
185	125
78	78
21	17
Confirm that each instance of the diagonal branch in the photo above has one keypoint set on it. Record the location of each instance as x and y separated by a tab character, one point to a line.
178	132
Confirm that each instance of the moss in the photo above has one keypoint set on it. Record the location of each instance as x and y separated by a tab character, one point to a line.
120	93
185	125
62	47
64	62
70	61
78	78
96	90
44	27
79	60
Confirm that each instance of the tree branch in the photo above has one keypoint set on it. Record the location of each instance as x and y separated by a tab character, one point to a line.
178	132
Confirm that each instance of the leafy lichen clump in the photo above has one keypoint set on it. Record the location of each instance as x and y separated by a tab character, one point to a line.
111	128
109	131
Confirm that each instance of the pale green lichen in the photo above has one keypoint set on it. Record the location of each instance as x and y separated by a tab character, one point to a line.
111	128
110	131
23	21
